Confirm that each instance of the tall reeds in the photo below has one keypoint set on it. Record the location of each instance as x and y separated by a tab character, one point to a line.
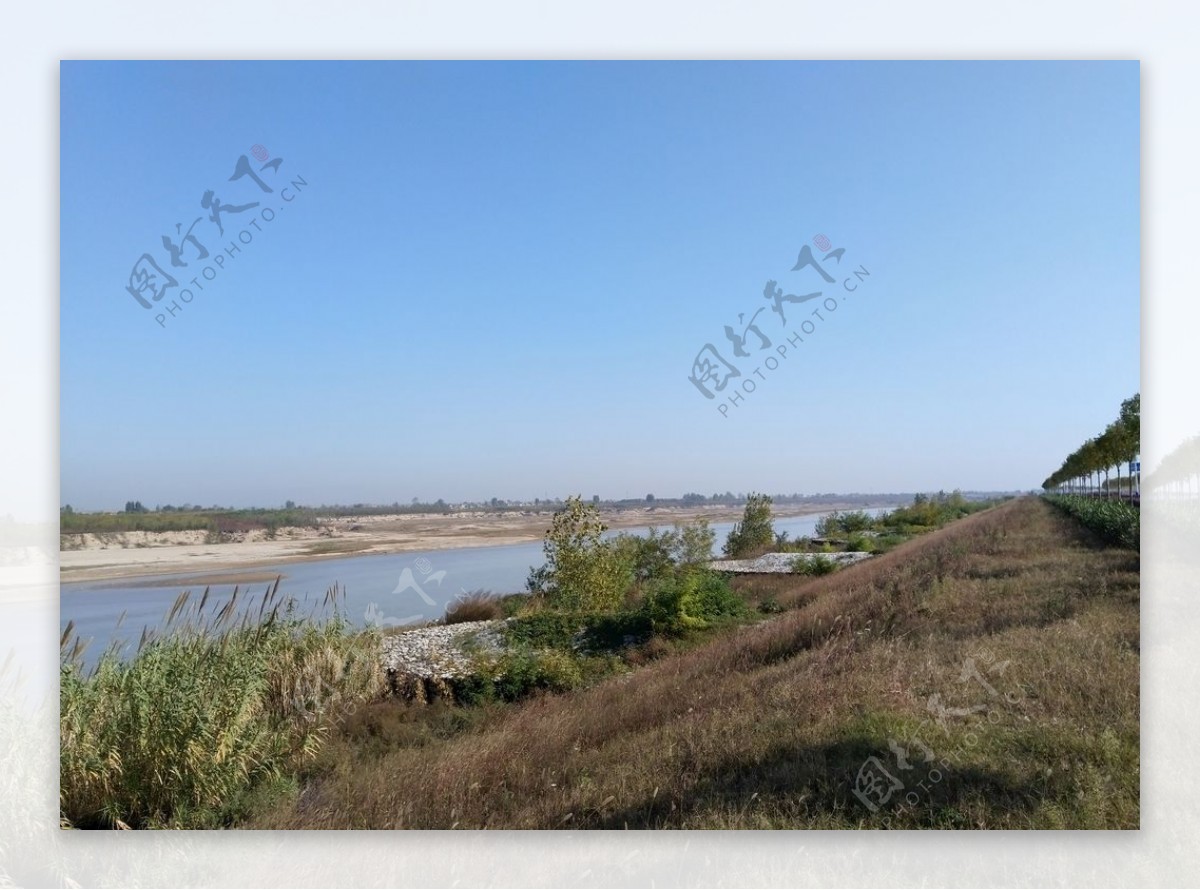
221	698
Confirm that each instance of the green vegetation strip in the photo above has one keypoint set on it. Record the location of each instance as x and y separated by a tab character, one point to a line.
1115	521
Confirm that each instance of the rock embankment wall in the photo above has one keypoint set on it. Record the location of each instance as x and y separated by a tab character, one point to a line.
423	663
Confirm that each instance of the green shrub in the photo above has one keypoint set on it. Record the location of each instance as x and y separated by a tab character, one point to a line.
513	604
814	565
656	555
844	523
578	631
886	542
612	631
1116	521
650	557
692	600
582	570
929	512
545	630
694	543
860	543
803	544
522	672
755	532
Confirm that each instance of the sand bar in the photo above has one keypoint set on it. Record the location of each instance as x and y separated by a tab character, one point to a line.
134	554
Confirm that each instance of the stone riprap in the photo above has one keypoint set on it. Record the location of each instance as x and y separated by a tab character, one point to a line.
424	662
780	563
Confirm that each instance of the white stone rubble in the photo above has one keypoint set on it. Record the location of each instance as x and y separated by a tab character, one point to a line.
782	563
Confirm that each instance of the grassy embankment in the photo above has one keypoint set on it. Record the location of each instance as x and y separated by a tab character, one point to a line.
990	667
1018	613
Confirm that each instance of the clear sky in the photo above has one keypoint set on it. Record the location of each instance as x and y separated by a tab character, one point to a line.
492	279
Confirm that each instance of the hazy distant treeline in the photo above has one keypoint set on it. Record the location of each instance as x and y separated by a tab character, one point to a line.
229	520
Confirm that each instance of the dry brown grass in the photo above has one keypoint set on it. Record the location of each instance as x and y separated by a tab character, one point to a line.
768	726
478	605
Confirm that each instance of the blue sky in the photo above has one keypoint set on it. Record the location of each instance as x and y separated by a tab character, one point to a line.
495	277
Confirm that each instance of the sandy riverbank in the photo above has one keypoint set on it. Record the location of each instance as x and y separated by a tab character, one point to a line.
133	554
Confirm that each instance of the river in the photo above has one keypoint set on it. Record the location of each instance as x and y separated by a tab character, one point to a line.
385	589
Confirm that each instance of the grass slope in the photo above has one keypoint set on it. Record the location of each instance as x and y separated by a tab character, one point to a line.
990	668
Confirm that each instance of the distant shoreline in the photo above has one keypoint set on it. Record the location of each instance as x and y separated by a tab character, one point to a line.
138	555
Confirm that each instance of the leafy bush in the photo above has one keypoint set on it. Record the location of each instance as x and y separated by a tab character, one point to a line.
828	525
694	543
513	604
860	543
814	565
844	523
545	630
656	555
578	631
692	600
582	571
886	542
612	631
754	533
650	556
522	672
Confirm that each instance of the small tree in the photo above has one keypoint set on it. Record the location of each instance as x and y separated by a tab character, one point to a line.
754	533
582	571
650	556
694	543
